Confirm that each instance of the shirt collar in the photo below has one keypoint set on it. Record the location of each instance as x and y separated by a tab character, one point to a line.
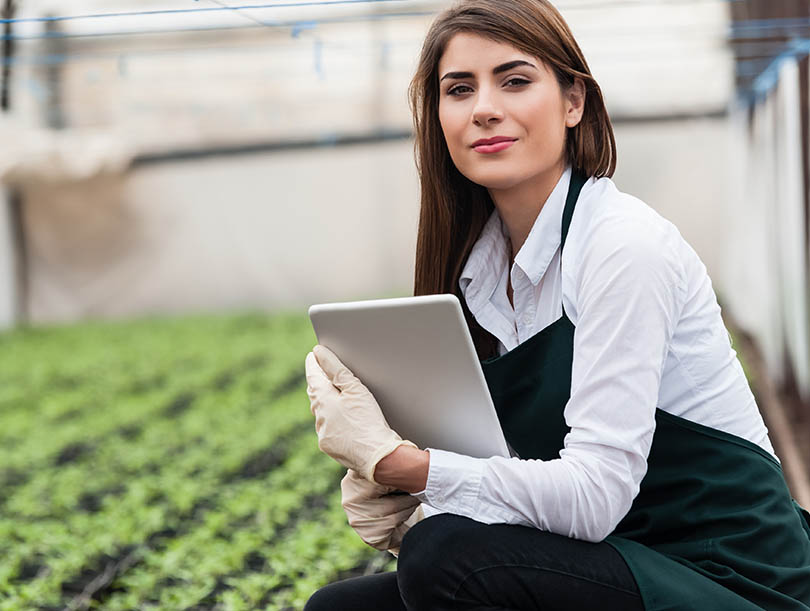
489	256
485	264
544	238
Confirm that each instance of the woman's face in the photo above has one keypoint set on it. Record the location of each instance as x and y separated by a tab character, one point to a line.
490	89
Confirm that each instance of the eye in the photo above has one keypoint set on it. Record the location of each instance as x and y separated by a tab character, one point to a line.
518	81
456	90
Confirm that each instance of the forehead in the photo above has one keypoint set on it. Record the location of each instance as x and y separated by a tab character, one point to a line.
470	52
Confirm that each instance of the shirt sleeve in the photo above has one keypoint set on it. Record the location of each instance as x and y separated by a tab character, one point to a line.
630	290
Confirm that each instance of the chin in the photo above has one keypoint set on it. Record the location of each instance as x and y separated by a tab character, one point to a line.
494	180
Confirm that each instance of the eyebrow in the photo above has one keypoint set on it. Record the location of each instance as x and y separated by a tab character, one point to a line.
495	70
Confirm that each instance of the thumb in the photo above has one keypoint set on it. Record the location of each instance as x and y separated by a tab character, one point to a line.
316	378
334	369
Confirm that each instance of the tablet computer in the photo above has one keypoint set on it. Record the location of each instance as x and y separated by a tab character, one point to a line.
416	356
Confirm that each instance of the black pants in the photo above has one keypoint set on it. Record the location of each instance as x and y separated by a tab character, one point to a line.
449	562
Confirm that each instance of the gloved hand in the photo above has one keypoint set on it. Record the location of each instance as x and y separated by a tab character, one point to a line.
350	426
379	517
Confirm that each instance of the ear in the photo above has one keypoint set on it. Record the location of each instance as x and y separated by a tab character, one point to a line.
574	103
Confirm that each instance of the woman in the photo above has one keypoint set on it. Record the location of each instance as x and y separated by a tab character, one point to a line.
645	477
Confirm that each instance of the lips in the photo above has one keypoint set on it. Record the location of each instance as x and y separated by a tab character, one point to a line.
495	140
493	145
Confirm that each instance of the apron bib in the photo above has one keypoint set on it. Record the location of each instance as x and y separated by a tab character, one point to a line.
713	528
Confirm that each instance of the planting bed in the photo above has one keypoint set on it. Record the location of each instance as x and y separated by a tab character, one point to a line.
167	464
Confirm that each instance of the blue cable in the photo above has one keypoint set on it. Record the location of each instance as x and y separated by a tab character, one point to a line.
770	21
741	29
764	80
63	58
764	27
207	9
297	23
304	3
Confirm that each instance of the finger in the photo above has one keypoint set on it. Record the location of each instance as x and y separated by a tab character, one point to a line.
334	369
317	381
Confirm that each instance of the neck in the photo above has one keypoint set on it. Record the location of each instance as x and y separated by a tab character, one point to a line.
520	205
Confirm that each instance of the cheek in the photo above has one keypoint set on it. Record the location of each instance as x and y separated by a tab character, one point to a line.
545	123
444	121
452	123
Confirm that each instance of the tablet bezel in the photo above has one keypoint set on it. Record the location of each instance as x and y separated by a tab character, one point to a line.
434	393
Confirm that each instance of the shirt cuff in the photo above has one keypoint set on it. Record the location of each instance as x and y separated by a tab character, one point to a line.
453	482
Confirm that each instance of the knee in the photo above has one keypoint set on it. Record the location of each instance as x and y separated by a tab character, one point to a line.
320	601
428	564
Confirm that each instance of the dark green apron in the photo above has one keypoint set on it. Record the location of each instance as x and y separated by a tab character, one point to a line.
713	527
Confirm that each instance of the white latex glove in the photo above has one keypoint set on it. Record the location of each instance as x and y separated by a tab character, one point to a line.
379	517
350	426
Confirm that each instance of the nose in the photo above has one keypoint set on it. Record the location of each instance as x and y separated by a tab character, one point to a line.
486	110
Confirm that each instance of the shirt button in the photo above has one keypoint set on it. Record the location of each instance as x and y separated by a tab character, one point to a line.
527	320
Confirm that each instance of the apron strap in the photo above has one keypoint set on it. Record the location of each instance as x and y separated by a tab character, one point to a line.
578	180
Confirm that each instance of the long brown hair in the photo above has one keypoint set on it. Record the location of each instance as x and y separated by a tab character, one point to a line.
453	208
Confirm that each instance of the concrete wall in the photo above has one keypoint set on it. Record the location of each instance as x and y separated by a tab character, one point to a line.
289	229
768	267
685	170
253	231
8	260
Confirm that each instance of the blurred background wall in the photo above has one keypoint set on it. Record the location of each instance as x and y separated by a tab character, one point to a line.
174	156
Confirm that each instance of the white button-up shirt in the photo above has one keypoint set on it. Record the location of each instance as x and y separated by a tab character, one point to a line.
648	334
